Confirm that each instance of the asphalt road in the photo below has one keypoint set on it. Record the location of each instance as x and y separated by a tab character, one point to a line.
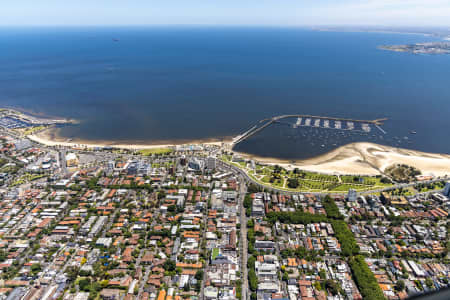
243	238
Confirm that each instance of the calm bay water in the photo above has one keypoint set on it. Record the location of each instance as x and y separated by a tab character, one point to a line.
186	83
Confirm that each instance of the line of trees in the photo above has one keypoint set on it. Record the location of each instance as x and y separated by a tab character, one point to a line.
253	188
343	234
251	240
252	279
248	204
364	278
331	208
366	281
346	238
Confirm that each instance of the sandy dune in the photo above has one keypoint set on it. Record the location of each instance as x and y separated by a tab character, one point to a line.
370	159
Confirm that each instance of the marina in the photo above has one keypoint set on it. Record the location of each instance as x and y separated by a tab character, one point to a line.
312	121
12	119
365	127
332	124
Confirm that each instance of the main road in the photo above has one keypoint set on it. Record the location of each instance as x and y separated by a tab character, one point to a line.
243	237
248	179
405	185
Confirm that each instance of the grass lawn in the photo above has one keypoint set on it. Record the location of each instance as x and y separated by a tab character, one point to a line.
265	179
27	177
215	253
242	164
308	181
31	130
155	151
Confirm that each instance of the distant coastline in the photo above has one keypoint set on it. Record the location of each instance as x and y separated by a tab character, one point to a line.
420	48
442	47
439	33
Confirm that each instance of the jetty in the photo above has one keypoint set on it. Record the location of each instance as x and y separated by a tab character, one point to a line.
313	121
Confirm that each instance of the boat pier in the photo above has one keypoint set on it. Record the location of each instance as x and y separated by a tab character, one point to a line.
313	121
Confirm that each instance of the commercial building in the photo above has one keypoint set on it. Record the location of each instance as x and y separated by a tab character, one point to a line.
71	160
196	164
211	163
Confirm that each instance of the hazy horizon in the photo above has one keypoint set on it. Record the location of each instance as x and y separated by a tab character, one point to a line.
192	25
383	13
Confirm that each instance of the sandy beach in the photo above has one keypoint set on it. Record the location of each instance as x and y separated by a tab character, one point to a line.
355	158
50	138
367	159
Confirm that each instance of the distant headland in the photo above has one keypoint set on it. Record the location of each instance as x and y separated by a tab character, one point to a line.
420	48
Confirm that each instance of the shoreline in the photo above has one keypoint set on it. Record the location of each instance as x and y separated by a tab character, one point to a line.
49	138
363	158
35	118
360	158
356	30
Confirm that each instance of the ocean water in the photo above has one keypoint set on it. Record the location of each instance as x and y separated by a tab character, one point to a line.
154	84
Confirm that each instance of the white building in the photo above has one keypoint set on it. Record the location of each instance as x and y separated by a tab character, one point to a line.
196	164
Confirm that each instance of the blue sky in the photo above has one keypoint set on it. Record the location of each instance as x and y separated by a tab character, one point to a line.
226	12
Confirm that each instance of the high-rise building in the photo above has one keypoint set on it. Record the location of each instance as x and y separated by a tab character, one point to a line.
132	168
196	164
352	195
211	163
111	165
447	189
183	160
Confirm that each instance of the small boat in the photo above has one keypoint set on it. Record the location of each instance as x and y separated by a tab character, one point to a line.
412	132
